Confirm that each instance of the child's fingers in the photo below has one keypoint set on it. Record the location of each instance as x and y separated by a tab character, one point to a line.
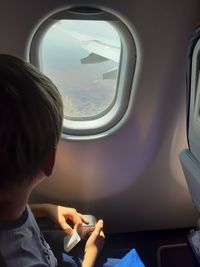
102	234
98	227
83	218
65	226
76	219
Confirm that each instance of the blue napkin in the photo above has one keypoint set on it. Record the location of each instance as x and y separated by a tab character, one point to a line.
131	259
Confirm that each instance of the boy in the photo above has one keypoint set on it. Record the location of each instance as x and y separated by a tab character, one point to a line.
31	115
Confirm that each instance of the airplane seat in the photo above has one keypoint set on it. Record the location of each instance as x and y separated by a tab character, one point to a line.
190	158
191	169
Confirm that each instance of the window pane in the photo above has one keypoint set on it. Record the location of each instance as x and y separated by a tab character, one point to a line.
82	59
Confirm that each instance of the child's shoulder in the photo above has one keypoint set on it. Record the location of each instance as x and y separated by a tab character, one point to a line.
23	237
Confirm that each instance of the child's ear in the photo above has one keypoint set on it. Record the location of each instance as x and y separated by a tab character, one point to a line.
48	162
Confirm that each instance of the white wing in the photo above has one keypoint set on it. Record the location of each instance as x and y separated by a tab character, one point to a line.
99	51
94	46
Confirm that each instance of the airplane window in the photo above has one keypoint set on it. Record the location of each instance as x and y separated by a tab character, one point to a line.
90	55
82	59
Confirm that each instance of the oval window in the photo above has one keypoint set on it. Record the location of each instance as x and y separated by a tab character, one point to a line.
91	59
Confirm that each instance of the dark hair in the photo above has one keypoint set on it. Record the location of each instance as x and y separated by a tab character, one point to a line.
31	116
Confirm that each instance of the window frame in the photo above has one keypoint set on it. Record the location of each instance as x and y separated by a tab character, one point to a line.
106	124
194	101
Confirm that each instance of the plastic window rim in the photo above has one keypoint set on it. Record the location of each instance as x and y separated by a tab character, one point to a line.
195	89
97	127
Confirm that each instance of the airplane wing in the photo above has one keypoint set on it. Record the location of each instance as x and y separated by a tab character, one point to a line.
99	51
96	47
103	50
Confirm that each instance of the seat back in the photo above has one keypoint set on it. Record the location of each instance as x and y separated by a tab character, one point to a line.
191	169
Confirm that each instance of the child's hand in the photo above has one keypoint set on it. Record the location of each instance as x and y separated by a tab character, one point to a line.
60	214
94	244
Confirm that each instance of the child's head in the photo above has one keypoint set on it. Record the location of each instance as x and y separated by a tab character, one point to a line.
31	115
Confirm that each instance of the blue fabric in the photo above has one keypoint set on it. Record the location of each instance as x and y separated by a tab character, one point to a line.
131	259
69	259
22	243
111	262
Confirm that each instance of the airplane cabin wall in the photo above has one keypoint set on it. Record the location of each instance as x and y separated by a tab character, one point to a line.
132	178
